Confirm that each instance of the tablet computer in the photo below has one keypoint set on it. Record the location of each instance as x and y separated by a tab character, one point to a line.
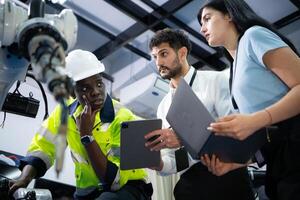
134	154
189	118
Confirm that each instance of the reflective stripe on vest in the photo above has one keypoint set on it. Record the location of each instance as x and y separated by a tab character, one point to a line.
42	156
105	126
114	151
44	132
116	185
78	158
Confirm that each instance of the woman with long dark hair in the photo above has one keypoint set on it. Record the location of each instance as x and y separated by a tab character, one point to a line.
265	87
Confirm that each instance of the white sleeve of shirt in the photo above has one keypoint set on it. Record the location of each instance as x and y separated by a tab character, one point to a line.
168	158
167	155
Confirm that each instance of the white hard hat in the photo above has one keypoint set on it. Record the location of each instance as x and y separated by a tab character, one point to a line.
82	64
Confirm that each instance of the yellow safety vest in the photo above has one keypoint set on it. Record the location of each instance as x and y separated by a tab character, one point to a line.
107	135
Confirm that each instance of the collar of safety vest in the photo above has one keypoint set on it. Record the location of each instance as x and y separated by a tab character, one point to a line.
107	113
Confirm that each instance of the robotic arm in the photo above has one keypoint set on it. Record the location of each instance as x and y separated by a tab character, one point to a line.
40	40
37	39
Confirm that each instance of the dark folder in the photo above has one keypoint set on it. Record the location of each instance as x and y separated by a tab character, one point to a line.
189	119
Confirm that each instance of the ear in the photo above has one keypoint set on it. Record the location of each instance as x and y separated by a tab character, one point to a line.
227	17
182	53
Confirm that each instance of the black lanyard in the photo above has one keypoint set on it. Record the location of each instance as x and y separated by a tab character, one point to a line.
181	157
193	78
230	86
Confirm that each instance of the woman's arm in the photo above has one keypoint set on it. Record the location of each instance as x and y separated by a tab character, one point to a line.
286	65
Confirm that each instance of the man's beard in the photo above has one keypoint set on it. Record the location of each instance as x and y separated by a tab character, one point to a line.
171	73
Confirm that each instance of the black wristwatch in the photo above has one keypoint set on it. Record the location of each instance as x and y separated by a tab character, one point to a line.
87	139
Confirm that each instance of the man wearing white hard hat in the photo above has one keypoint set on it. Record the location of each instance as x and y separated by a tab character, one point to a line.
93	137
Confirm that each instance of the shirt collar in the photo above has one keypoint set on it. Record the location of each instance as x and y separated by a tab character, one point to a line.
187	77
107	113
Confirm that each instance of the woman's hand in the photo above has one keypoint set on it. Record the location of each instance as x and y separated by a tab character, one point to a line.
239	126
217	167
